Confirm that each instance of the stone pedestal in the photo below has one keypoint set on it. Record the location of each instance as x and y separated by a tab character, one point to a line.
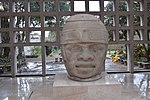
106	88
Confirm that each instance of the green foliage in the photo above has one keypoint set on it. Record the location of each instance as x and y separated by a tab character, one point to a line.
64	5
19	6
109	6
5	6
136	6
4	61
5	22
35	21
122	6
50	6
36	51
34	6
142	51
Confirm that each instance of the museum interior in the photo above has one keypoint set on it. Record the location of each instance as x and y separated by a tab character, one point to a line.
31	55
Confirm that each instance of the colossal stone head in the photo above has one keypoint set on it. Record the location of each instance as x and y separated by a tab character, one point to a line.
84	42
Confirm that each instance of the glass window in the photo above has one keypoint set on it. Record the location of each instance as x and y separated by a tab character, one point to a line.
62	20
5	61
4	6
19	6
94	6
64	6
19	36
123	6
4	37
123	21
111	35
19	21
49	6
35	36
34	6
50	36
50	21
79	6
55	62
137	6
34	21
109	20
140	53
138	34
109	6
138	20
123	35
29	60
5	22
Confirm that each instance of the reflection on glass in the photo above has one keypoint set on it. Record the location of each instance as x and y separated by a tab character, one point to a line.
140	83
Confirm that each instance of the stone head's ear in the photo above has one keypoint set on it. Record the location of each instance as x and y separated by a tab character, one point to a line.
63	53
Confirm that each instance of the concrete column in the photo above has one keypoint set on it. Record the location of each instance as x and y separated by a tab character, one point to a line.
13	61
43	60
130	60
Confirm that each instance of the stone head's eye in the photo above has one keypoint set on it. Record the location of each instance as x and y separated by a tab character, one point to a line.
96	48
76	48
93	48
68	47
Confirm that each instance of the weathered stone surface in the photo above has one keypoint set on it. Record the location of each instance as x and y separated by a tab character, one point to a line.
84	42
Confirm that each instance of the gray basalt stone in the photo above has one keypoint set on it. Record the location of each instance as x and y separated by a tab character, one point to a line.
84	42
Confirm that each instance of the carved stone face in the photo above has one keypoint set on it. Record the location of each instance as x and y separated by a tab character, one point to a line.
84	60
84	48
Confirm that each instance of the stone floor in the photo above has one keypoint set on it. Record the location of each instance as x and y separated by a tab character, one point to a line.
134	87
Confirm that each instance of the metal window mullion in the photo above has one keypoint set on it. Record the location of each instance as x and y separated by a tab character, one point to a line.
12	46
